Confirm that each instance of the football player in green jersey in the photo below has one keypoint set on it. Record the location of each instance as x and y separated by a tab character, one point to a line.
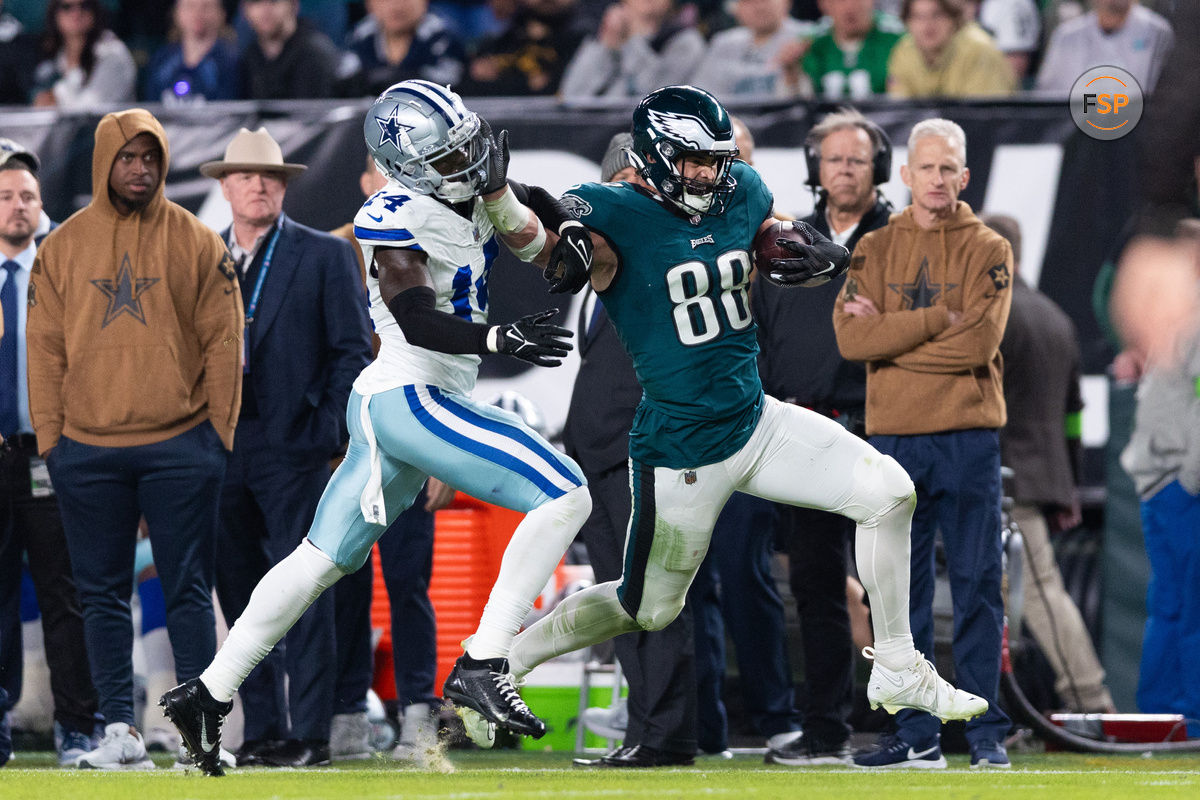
672	266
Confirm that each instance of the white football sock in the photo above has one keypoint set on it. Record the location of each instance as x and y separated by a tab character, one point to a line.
587	617
529	561
280	598
882	554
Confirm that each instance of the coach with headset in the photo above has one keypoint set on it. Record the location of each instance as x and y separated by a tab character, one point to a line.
848	156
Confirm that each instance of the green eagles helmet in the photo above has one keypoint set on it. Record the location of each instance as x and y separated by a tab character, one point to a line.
676	120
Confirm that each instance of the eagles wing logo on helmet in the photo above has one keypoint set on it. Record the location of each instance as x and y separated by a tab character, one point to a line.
576	205
687	130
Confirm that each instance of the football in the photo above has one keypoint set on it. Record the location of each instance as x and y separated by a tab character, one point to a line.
765	247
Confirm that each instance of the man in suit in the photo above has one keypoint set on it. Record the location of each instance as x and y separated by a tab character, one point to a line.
307	337
658	665
30	524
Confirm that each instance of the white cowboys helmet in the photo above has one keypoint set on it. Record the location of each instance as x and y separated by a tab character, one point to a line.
423	137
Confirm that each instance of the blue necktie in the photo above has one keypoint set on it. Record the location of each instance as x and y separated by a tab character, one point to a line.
8	352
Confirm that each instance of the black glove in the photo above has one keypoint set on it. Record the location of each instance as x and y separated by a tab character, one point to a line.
571	259
532	339
815	264
497	160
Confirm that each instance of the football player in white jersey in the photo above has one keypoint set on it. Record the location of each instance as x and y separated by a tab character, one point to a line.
429	238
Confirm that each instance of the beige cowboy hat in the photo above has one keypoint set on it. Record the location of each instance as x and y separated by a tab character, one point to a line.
251	151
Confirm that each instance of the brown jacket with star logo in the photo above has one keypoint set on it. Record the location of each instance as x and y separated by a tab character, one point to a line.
925	375
135	322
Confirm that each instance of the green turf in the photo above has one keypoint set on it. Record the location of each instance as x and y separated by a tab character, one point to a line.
510	774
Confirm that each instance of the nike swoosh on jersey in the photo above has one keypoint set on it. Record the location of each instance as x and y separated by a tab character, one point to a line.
377	219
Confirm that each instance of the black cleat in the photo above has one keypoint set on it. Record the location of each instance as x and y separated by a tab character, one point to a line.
487	688
197	715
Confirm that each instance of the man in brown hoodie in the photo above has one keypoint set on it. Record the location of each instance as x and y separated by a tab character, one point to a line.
924	305
134	341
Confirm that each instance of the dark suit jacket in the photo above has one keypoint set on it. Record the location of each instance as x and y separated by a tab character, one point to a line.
309	340
605	397
1041	386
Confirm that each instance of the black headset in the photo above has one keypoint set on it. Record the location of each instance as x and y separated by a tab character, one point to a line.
881	170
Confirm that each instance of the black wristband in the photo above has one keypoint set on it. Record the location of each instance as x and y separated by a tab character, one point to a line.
425	326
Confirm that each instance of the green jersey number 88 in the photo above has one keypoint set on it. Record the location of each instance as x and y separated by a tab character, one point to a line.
697	319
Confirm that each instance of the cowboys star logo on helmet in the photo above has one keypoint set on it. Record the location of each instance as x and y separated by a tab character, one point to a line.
392	130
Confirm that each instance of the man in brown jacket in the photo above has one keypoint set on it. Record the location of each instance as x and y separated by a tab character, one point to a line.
134	340
924	305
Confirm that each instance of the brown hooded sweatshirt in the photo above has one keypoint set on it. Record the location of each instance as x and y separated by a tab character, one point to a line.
135	322
923	374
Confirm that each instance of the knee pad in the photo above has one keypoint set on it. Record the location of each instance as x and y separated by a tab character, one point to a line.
881	487
659	617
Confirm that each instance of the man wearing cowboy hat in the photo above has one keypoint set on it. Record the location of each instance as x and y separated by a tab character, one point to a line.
307	337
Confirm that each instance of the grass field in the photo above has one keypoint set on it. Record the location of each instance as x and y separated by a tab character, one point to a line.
514	774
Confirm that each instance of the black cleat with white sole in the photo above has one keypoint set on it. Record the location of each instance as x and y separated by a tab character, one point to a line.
197	715
486	687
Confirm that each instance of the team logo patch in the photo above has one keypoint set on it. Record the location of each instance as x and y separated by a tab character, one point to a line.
229	271
32	294
124	294
999	276
689	477
576	205
392	130
702	240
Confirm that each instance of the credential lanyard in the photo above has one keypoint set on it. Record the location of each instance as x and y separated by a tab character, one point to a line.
253	305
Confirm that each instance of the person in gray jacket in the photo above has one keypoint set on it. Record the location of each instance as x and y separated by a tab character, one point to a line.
1163	458
640	46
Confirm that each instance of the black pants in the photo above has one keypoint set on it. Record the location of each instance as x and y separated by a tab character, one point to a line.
32	525
816	544
267	507
406	561
659	666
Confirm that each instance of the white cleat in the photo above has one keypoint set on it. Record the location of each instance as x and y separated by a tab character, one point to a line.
919	687
479	729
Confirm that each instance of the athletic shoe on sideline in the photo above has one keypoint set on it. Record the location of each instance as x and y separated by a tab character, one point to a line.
121	748
989	755
809	751
892	752
921	688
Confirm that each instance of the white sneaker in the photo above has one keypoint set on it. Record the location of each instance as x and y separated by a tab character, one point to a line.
921	688
121	748
418	735
350	737
160	738
183	759
610	723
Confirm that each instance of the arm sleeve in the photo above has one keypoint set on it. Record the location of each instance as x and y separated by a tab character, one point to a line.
424	326
220	324
974	341
886	335
46	352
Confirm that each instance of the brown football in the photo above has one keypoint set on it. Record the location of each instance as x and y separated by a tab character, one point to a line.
765	247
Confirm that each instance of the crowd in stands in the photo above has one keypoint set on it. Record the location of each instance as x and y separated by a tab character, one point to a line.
84	53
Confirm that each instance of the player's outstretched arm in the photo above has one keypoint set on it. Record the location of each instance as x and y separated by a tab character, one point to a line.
533	224
407	289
